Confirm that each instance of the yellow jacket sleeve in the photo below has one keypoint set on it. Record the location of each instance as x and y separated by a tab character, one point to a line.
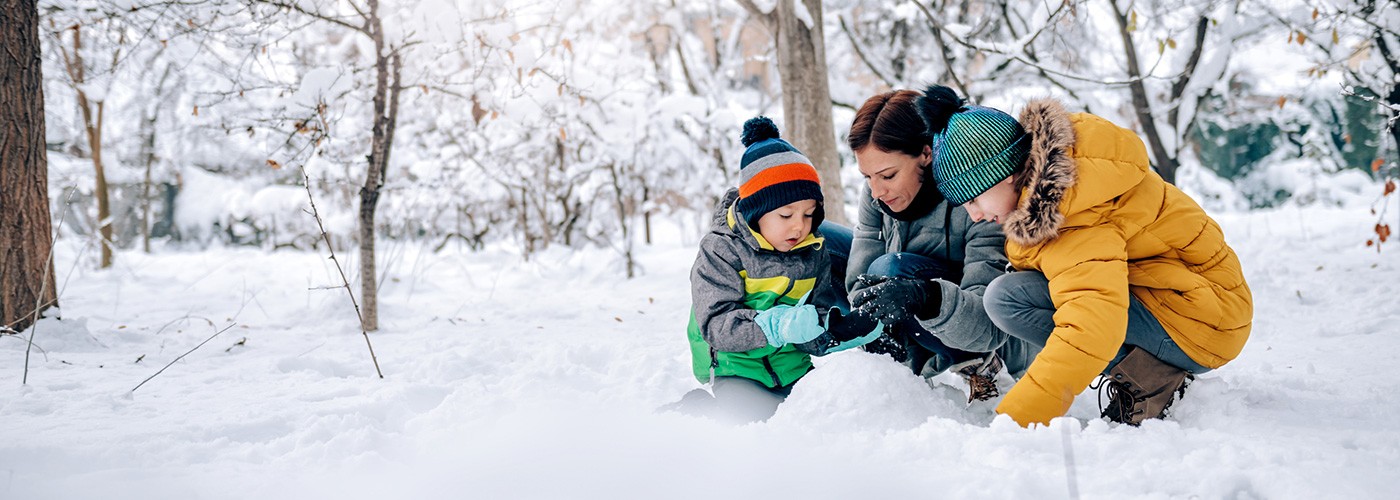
1088	273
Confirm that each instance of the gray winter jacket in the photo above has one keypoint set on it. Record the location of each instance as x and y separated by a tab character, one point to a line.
735	276
944	233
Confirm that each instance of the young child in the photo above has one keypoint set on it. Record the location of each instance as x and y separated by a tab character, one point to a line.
1120	273
761	288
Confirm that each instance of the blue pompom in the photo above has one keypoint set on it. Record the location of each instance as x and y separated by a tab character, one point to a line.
758	128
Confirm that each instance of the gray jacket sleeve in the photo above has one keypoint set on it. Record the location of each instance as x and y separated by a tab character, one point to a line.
824	291
962	322
717	294
867	242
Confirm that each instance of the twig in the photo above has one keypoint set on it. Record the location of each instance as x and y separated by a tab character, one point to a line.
855	44
345	281
44	278
182	356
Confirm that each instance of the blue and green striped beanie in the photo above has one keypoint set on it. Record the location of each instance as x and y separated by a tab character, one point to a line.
979	148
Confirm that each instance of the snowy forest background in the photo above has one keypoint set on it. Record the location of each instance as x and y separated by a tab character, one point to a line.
537	176
577	123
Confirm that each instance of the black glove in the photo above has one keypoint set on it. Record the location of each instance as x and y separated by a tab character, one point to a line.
854	324
896	299
840	329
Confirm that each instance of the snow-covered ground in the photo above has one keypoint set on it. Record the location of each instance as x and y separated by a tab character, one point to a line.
539	379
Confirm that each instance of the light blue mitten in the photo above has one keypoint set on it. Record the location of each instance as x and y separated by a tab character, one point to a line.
784	324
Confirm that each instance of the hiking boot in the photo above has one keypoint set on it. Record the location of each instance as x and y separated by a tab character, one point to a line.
1142	387
981	376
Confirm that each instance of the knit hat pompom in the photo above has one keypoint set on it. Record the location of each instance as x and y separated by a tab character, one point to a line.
938	105
758	128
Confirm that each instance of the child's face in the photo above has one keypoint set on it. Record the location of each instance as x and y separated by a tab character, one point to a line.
786	226
995	203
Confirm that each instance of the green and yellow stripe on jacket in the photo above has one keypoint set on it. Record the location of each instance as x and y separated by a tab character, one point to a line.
726	301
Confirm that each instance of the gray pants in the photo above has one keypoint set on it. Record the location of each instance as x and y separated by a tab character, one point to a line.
1019	303
736	400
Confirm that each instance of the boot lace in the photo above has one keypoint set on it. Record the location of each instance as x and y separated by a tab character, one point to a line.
1122	406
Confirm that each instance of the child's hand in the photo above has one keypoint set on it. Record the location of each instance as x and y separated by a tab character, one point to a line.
854	324
784	325
843	332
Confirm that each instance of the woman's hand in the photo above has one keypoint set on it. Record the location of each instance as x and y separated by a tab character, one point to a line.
893	299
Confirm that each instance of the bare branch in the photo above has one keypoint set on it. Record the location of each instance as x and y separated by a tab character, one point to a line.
1179	86
769	19
1018	57
317	15
182	356
1166	164
1390	59
861	53
43	289
344	280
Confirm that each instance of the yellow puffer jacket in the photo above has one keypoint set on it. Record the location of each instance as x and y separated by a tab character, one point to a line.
1100	224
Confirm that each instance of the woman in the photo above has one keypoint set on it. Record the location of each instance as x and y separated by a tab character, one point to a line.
1121	273
918	263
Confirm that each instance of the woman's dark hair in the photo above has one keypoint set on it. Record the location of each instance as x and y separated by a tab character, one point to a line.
891	122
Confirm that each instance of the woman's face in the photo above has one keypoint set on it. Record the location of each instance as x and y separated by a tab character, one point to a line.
995	203
894	177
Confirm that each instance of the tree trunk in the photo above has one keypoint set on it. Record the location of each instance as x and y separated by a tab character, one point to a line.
26	235
92	126
807	98
620	200
646	213
1165	162
1393	98
148	156
386	107
1394	101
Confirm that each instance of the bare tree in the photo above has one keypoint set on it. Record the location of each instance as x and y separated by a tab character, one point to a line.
93	111
797	29
388	69
1165	116
1164	157
150	115
26	240
1349	35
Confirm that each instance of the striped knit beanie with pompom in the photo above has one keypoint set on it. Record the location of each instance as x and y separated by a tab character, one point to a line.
772	174
974	147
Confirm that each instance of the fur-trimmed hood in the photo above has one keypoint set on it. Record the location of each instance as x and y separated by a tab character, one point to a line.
1055	167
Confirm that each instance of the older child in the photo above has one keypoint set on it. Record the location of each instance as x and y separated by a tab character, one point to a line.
763	300
1121	273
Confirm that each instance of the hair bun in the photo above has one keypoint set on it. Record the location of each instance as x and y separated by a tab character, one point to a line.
938	105
758	128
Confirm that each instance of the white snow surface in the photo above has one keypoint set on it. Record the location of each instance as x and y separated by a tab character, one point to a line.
513	379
